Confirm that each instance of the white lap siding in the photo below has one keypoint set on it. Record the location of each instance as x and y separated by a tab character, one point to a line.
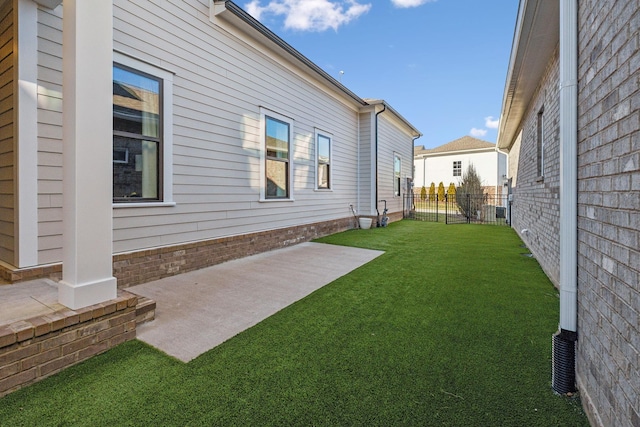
220	84
391	141
49	135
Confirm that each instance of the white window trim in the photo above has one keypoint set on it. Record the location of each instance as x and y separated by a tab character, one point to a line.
394	175
318	133
167	127
263	155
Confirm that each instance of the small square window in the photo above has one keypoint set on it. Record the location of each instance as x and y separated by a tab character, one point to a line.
457	168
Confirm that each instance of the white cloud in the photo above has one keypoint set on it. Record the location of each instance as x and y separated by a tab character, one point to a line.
410	3
310	15
491	123
477	133
254	9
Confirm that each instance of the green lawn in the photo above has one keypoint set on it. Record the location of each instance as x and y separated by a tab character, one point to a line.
451	326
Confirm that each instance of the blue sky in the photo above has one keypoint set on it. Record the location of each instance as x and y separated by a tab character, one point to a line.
441	64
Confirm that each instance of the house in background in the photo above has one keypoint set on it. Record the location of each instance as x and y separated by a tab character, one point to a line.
448	163
571	124
190	134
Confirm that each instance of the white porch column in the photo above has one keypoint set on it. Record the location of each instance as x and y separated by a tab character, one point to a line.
88	133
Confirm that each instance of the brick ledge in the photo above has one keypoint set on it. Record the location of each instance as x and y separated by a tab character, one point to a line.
23	330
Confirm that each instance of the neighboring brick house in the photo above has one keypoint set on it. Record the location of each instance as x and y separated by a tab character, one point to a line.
571	124
448	163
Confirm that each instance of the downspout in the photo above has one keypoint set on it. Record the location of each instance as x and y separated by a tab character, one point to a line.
564	341
424	171
384	107
506	197
410	191
413	160
359	170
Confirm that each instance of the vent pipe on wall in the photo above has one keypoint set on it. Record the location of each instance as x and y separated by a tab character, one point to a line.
564	341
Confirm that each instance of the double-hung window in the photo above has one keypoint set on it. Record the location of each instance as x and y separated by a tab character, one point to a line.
141	132
277	158
457	168
323	161
397	173
540	143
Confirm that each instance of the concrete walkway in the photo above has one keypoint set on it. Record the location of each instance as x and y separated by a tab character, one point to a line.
29	299
196	311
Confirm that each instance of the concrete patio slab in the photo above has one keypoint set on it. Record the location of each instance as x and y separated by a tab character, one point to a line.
29	299
199	310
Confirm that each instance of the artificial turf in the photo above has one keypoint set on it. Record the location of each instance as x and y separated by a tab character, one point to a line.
451	326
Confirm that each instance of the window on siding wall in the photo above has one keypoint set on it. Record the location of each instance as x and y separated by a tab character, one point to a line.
142	132
457	168
277	163
397	173
137	134
540	143
323	160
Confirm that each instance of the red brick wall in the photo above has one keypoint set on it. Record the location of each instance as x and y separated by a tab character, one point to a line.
144	266
33	349
138	267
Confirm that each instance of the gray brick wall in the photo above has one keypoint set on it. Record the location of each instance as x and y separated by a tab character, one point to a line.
608	356
536	199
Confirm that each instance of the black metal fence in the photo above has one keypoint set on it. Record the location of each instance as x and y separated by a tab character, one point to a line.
458	208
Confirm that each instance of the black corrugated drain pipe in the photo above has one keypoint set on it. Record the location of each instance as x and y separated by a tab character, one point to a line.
564	341
563	375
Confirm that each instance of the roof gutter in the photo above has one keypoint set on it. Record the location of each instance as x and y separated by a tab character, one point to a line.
534	39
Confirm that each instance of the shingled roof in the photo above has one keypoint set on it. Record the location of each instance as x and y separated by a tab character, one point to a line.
461	144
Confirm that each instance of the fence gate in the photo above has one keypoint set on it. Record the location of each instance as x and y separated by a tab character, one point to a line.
458	208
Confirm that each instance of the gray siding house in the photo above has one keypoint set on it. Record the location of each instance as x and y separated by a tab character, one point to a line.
571	125
143	139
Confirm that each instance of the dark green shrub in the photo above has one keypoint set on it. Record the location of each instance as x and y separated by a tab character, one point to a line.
469	195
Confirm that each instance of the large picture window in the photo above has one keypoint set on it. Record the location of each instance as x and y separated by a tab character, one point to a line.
397	173
323	160
137	135
277	135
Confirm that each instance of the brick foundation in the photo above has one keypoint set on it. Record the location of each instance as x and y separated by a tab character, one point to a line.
134	268
145	266
53	271
33	349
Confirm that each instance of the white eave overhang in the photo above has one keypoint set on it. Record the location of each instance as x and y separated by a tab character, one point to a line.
236	16
415	133
455	152
536	37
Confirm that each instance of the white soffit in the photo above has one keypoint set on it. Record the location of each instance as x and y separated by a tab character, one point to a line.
536	37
